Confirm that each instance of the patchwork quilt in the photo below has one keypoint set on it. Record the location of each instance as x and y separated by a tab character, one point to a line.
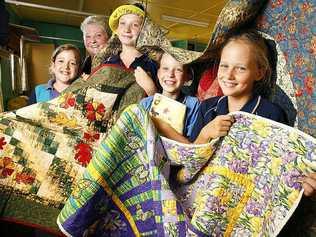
246	184
45	147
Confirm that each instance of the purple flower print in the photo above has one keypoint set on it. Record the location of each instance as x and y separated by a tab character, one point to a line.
254	208
289	157
213	204
239	166
262	180
242	120
291	179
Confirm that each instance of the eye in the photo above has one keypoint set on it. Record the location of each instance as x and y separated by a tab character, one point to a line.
223	66
165	68
180	70
241	69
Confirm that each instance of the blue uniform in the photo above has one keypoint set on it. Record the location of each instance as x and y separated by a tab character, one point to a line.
215	106
43	93
147	64
192	104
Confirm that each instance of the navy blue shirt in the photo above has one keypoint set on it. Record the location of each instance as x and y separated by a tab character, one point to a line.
146	63
215	106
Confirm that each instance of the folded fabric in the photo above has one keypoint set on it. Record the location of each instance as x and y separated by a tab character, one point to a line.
250	186
169	111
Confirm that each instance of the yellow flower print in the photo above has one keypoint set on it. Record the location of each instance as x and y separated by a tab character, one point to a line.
255	223
174	155
62	119
261	127
275	166
292	197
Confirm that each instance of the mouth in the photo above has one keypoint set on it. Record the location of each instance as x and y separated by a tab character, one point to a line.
169	82
229	84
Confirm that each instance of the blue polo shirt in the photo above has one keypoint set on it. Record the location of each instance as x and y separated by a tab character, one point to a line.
215	106
144	61
43	93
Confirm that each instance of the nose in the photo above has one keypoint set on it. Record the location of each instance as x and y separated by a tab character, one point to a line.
171	73
127	28
229	73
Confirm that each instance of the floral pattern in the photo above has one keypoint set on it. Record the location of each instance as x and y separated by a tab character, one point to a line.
45	147
298	47
246	184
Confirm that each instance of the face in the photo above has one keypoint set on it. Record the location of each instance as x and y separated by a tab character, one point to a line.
238	70
128	29
66	66
171	75
95	38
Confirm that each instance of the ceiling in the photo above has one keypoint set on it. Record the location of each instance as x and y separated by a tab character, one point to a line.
76	10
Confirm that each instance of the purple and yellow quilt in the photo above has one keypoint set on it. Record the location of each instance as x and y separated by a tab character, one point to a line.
246	184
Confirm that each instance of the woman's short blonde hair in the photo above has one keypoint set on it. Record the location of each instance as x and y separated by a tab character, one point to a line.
98	20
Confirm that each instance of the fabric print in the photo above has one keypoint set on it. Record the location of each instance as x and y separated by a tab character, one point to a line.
6	167
83	153
2	143
236	191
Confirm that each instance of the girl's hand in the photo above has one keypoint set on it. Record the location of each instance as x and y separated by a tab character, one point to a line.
309	184
218	127
145	81
85	76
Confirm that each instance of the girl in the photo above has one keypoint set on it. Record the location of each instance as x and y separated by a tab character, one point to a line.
64	68
244	72
126	22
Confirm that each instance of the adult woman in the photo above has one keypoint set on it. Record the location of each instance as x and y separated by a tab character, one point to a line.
95	37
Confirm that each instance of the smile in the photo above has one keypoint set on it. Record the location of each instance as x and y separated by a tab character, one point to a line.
229	84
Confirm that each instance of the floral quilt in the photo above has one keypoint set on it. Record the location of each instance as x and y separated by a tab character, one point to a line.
246	184
45	147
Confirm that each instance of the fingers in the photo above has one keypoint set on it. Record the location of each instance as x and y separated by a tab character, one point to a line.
309	184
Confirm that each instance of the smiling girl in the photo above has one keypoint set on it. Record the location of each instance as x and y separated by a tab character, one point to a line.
126	23
64	69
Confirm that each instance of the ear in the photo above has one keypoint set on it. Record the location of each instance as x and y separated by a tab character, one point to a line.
260	74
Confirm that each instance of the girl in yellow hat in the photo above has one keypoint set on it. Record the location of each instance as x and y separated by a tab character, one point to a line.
126	22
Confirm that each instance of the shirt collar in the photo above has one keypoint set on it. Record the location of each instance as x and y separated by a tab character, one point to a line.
50	84
115	59
250	107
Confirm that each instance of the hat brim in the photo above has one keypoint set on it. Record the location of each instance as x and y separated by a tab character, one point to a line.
123	10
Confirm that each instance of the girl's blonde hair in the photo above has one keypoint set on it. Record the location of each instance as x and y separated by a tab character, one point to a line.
58	50
261	55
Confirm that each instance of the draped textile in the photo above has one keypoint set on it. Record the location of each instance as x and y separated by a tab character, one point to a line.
246	184
45	147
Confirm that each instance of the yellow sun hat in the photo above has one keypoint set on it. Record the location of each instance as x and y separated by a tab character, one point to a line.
123	10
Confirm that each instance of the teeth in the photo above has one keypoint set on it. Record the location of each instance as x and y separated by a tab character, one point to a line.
229	84
169	82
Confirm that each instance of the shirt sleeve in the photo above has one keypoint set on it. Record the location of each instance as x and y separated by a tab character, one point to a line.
146	102
193	105
32	98
197	125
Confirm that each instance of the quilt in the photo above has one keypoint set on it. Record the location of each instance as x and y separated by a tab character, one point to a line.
246	184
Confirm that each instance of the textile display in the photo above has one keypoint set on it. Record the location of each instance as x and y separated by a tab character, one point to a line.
45	147
246	184
298	48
